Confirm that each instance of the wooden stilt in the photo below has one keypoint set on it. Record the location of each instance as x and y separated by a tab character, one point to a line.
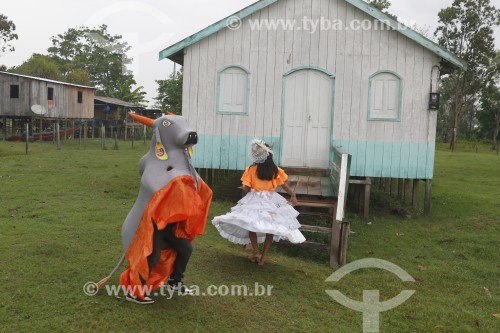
400	189
116	140
407	191
58	139
416	183
393	186
40	128
65	137
85	135
427	197
366	206
4	128
360	197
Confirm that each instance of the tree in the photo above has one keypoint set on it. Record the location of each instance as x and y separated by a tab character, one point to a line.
40	66
489	117
99	54
466	30
7	34
382	5
170	93
122	89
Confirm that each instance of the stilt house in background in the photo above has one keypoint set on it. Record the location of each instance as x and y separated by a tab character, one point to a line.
40	102
360	80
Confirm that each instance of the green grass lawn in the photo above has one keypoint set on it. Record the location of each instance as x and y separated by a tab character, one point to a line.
61	213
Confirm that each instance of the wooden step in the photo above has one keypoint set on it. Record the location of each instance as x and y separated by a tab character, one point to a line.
306	171
313	228
327	203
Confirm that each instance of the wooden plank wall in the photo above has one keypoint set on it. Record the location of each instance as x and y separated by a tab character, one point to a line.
378	148
35	92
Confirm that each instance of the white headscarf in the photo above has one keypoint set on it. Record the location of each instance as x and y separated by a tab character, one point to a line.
259	151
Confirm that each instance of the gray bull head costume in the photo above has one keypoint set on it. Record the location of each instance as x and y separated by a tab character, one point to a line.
172	197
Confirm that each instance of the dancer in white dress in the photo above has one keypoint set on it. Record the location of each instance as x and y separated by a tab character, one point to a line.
262	215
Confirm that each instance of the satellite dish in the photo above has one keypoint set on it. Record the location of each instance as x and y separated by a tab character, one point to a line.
38	109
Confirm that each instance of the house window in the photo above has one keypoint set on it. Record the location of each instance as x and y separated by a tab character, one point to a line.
50	97
14	91
50	94
233	85
385	96
80	97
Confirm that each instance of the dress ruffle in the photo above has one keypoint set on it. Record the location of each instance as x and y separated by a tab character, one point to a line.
261	212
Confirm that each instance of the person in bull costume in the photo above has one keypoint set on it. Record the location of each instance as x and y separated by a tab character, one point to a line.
170	210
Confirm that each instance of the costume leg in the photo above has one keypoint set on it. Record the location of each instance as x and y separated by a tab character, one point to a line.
184	250
157	247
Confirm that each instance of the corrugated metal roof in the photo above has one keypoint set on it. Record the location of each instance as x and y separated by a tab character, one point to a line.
47	80
116	101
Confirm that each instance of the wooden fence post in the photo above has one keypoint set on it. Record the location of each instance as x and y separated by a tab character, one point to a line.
4	128
27	137
58	139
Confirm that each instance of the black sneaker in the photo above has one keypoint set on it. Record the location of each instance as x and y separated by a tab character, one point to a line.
179	288
137	300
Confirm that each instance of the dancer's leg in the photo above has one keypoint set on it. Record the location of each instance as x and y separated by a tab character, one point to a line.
255	246
267	245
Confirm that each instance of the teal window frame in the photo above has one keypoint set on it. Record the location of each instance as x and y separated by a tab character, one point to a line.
400	101
218	109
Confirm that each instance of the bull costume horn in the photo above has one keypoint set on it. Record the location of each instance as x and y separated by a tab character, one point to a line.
143	120
160	151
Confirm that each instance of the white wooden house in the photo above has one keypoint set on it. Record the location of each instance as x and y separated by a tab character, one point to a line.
353	82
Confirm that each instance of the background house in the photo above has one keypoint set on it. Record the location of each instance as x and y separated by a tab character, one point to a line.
366	90
41	102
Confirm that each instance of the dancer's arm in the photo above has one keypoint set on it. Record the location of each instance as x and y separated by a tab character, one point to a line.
293	197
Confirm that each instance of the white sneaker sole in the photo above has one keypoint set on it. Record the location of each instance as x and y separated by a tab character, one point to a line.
135	300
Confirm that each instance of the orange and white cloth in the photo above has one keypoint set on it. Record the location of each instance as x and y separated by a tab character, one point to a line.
262	211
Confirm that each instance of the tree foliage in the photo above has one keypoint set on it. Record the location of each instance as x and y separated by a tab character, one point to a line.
382	5
103	57
40	66
465	28
7	28
170	93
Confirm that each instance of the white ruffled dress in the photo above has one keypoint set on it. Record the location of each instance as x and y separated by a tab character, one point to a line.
263	212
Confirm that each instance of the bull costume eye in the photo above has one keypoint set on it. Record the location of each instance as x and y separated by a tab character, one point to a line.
166	123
